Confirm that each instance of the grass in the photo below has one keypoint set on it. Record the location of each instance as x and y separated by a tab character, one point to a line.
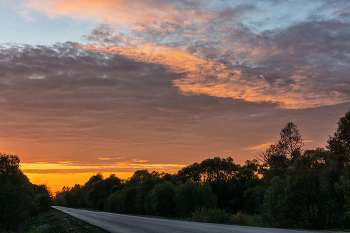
55	221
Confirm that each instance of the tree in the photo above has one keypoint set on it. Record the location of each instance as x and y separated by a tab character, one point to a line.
343	187
100	191
161	199
307	197
279	156
190	195
339	143
16	193
43	202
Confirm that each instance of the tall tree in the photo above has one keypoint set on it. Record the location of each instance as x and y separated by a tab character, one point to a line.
339	143
279	156
16	193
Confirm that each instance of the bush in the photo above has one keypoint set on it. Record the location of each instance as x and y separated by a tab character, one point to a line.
205	214
43	202
240	219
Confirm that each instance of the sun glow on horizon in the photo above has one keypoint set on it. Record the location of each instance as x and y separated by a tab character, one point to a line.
56	176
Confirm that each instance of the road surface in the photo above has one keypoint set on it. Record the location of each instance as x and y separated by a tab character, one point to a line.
119	223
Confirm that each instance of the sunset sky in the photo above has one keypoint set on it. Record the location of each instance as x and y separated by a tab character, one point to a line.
114	86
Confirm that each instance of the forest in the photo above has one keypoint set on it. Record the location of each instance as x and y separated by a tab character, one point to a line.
287	186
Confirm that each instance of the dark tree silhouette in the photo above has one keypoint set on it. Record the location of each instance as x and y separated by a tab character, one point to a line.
19	199
279	156
339	143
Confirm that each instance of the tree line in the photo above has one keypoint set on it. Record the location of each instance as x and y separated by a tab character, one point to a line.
287	185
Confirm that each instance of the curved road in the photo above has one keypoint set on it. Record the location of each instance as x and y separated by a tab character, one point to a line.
119	223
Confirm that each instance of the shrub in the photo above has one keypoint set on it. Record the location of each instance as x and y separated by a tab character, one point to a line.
43	202
240	219
205	214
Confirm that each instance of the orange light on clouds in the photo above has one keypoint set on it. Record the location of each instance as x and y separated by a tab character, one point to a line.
139	161
264	146
65	162
229	83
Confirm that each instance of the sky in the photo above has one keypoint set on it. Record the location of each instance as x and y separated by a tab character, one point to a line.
115	86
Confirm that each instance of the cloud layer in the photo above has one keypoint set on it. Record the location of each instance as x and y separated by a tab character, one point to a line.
218	52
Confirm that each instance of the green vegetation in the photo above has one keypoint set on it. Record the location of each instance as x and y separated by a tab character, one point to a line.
57	221
289	187
20	200
204	214
242	219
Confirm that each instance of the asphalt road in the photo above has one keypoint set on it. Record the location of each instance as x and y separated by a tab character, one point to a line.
119	223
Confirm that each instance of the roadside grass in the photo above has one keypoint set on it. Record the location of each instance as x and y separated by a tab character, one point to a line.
55	221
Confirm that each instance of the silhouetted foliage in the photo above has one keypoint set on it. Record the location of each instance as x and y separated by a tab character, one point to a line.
100	191
18	201
190	195
339	143
307	198
205	214
43	202
343	187
279	156
161	200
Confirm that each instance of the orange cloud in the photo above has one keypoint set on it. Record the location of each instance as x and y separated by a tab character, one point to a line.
65	162
139	161
104	158
228	82
122	12
123	165
308	141
267	145
260	147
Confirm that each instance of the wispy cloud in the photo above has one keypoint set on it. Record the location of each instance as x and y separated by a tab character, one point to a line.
48	167
260	147
104	158
139	161
265	146
65	162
